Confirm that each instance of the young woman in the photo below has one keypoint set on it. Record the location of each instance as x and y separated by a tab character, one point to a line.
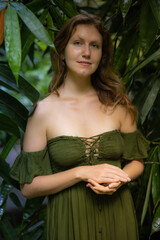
77	137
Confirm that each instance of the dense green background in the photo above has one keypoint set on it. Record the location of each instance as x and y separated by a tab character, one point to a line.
25	70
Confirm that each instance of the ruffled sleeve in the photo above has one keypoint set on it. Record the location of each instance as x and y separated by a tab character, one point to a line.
30	164
136	145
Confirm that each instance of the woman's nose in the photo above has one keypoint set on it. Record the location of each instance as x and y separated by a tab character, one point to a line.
86	51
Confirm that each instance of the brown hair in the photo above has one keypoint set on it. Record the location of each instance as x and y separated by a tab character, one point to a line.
107	84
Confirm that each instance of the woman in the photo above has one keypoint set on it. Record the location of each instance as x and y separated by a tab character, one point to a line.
77	137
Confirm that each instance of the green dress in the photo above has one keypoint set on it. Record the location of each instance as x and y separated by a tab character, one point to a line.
77	213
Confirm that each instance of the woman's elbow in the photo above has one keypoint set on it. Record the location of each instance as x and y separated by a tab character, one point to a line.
26	190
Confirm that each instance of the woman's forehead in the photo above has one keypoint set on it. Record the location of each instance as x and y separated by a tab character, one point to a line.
86	30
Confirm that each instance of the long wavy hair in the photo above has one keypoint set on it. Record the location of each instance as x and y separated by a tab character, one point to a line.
107	84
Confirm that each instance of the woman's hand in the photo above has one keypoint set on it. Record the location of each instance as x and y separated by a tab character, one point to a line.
103	174
104	188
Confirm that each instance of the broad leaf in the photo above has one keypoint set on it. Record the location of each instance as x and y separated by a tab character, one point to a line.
13	40
12	108
24	87
33	23
7	125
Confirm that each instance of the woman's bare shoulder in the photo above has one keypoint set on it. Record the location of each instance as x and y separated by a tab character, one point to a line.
126	120
35	134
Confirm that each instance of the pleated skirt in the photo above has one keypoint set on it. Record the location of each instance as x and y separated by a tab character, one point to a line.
78	213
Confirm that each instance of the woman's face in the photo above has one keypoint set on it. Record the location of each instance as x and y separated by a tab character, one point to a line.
83	51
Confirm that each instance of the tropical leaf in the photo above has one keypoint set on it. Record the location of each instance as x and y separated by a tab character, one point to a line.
155	5
8	147
125	6
150	100
156	222
7	125
7	230
24	87
33	23
13	109
5	190
13	40
67	7
148	29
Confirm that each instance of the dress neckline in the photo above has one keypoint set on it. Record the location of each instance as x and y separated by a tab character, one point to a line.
78	137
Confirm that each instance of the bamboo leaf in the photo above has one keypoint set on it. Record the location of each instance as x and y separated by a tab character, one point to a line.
125	6
156	222
156	180
123	50
57	16
28	37
33	23
155	6
24	87
150	100
142	64
67	7
13	40
145	206
148	29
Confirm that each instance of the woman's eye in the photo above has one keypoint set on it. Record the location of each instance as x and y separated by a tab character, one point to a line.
78	43
95	45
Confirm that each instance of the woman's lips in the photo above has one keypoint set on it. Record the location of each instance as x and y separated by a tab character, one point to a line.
83	63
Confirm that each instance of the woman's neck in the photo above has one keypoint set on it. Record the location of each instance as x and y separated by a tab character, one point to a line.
77	87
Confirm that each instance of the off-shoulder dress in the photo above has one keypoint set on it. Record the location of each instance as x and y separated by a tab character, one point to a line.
77	213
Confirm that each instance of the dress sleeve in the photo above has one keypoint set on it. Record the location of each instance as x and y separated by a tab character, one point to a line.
30	164
136	145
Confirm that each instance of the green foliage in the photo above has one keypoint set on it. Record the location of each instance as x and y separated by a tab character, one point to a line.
30	27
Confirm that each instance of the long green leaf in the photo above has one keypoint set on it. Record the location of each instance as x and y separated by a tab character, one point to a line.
15	200
24	87
7	125
57	16
123	50
28	37
67	7
156	223
148	29
150	100
7	230
142	64
5	190
125	6
8	147
156	179
13	40
145	206
155	5
12	108
33	23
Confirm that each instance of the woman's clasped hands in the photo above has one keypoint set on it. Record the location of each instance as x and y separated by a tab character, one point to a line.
105	178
